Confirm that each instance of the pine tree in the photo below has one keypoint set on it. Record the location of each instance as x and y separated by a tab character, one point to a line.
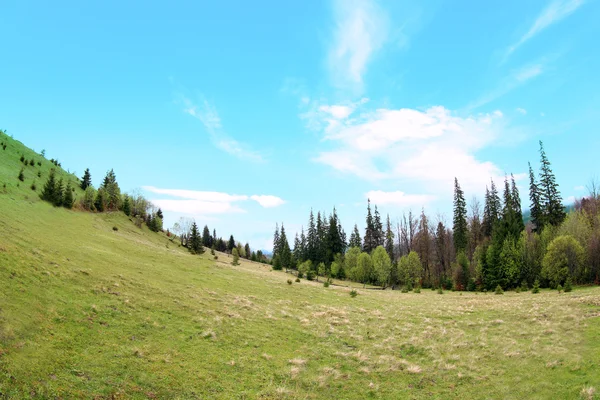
369	239
535	208
109	178
389	238
49	191
284	253
206	239
303	252
68	199
297	252
460	219
59	193
312	240
276	242
100	201
335	241
516	202
247	250
86	180
355	240
126	205
159	214
195	241
231	243
379	237
321	245
551	200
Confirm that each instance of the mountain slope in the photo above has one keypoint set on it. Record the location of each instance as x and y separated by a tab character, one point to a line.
87	311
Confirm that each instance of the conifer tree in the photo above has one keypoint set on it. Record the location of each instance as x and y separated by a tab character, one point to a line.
68	199
379	236
335	242
369	239
389	238
297	252
86	180
247	250
231	243
312	241
206	239
516	199
49	191
284	253
551	200
303	243
320	250
195	241
159	214
100	201
355	240
276	238
535	207
126	205
460	219
59	193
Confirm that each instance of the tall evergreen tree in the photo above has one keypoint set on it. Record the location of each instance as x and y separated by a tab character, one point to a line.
355	240
206	239
231	243
335	242
126	205
159	214
68	199
276	240
551	200
389	238
248	251
86	180
49	191
303	252
284	253
312	240
460	219
369	242
535	198
516	198
195	241
297	252
59	193
379	236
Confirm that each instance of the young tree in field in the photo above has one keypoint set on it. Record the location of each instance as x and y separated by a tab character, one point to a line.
87	202
59	193
379	237
276	242
564	259
364	268
351	263
410	269
49	192
236	256
389	238
231	243
550	199
86	180
68	199
460	219
112	192
284	253
312	240
126	205
206	238
247	251
355	240
100	201
382	265
195	240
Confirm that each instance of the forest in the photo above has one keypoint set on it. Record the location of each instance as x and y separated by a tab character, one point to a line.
487	248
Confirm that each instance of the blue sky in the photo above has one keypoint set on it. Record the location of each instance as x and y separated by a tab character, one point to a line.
242	114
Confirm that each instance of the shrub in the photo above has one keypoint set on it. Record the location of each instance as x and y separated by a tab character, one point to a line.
440	291
216	257
417	290
498	290
326	284
289	281
536	287
115	228
559	288
524	286
22	158
4	147
33	187
39	174
568	285
31	162
310	275
518	289
297	280
404	289
353	293
39	163
21	175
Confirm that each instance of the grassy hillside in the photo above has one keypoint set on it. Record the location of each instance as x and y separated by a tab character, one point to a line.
90	312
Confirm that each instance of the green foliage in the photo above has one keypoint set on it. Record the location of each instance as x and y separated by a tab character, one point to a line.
404	289
289	281
126	205
559	288
498	290
195	241
410	269
460	228
417	290
297	280
524	286
364	268
310	275
21	175
536	287
88	199
568	285
326	283
353	293
440	291
305	268
100	202
382	265
564	258
68	199
33	186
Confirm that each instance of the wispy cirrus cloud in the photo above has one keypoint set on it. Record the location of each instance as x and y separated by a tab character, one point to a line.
207	114
398	198
361	27
195	202
554	12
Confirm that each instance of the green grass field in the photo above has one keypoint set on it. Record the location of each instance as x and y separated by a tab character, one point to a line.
90	312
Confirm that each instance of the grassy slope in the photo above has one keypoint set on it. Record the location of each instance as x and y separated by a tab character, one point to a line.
86	311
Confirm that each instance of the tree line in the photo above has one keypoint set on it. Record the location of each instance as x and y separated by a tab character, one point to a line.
481	250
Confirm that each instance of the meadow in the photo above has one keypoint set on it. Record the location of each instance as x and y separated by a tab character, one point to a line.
91	306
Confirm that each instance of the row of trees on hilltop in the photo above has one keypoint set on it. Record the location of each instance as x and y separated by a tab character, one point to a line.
481	249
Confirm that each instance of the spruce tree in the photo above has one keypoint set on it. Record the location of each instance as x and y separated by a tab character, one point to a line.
195	241
312	241
206	239
247	250
49	191
68	199
100	201
460	219
389	238
159	214
516	198
369	239
86	180
231	243
379	237
297	252
126	205
59	193
355	240
335	241
551	200
276	240
303	243
284	254
535	207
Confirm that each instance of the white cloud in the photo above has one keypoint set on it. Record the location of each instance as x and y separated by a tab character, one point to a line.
427	148
339	112
268	201
579	188
361	28
207	114
398	198
195	202
521	111
554	12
